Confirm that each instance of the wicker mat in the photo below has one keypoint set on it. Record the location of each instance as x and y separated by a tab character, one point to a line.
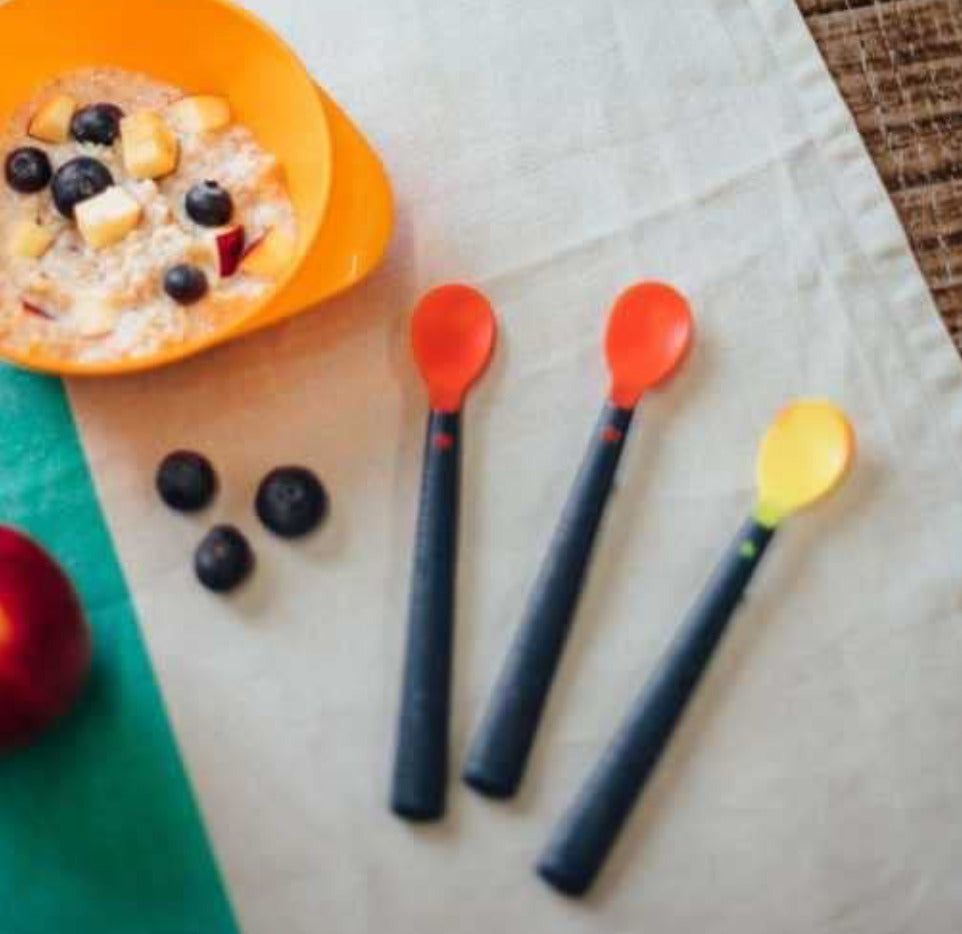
899	66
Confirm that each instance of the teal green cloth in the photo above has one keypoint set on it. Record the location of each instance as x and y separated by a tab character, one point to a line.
99	831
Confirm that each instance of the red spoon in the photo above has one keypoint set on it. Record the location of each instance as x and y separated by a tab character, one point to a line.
452	336
649	331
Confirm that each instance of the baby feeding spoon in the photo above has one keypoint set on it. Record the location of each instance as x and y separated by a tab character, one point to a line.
804	456
452	336
649	331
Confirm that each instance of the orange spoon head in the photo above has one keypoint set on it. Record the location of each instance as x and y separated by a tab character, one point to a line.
452	335
649	332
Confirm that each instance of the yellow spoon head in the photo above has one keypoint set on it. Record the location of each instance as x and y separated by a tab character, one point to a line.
805	455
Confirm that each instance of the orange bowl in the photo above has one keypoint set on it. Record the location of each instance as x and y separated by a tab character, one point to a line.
204	46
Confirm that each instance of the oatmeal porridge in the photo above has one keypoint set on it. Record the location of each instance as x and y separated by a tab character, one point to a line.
133	216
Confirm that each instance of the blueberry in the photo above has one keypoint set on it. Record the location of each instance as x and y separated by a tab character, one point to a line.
291	502
98	123
209	205
185	284
224	559
28	170
78	180
186	481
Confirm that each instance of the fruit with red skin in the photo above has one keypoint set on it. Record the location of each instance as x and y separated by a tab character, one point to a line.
231	244
33	309
45	644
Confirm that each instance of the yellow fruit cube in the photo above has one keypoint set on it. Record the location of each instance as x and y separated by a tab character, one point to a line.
150	148
201	114
271	256
108	217
51	123
31	239
92	316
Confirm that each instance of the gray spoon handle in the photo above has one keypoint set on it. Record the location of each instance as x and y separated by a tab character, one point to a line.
587	833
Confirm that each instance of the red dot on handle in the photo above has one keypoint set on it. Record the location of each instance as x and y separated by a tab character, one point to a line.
443	441
612	435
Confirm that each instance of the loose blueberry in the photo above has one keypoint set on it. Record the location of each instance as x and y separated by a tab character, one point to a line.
209	205
78	180
224	559
186	481
28	170
185	284
98	123
291	502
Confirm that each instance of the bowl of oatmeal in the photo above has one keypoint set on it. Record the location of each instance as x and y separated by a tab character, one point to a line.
167	173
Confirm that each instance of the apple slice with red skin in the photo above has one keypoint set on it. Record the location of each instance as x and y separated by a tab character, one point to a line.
231	245
31	309
45	646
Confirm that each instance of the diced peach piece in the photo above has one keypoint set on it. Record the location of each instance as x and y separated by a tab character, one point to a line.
200	114
51	123
93	316
108	217
31	239
150	148
271	256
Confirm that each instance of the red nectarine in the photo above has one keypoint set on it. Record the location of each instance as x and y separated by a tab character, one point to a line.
45	644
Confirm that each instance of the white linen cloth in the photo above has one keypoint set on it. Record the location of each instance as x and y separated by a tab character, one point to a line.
551	154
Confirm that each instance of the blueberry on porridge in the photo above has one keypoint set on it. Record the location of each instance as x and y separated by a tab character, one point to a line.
209	205
98	123
79	180
133	216
185	284
28	170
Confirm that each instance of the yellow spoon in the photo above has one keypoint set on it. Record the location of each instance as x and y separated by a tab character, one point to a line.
804	456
